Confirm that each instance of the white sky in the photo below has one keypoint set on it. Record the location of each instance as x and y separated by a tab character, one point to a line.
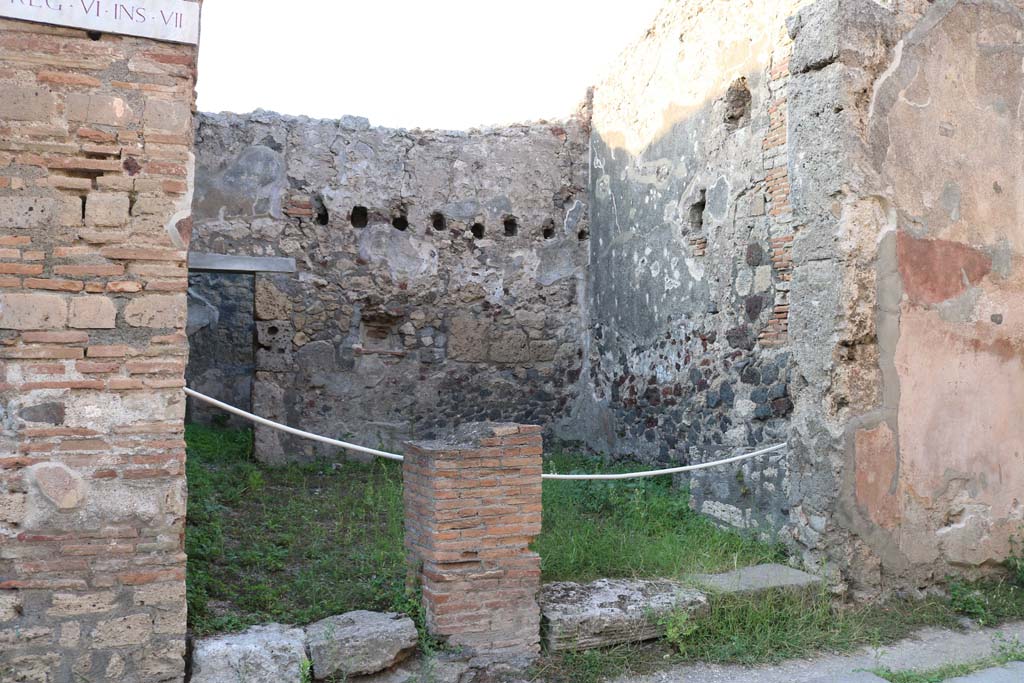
412	63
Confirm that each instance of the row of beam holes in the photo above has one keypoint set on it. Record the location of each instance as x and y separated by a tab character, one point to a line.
360	218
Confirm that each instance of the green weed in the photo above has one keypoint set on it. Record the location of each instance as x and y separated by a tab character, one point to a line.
291	544
632	527
1005	651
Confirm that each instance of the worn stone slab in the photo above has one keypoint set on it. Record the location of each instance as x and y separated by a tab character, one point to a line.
263	654
444	668
762	577
611	611
1010	673
359	642
852	677
243	264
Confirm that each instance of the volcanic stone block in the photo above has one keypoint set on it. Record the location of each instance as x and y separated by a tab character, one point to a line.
611	611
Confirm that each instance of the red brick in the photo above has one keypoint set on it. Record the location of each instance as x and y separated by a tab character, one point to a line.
96	135
54	285
63	78
109	270
68	384
143	254
55	337
108	351
42	352
21	269
91	367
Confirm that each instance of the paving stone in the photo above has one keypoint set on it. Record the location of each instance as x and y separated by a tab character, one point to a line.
758	578
1011	673
852	677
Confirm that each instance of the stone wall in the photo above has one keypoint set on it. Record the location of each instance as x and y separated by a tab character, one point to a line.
787	203
438	272
687	355
95	165
907	286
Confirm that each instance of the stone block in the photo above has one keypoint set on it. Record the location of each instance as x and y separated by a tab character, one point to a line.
157	310
92	312
262	654
26	213
271	303
134	629
166	593
62	486
32	311
12	511
467	339
105	110
26	103
359	642
76	604
70	633
106	209
509	346
167	116
10	605
611	611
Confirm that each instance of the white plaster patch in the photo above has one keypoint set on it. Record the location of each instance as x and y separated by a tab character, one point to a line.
730	514
762	278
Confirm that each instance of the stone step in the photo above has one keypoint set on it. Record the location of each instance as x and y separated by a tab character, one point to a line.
611	611
614	611
761	577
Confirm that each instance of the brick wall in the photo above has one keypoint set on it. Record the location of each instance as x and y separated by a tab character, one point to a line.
777	191
95	158
472	507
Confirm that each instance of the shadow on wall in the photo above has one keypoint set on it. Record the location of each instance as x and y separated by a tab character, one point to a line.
221	334
686	358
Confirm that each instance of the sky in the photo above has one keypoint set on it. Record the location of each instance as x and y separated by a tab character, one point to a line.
412	63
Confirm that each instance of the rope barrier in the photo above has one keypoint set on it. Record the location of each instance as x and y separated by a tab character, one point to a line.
291	430
394	456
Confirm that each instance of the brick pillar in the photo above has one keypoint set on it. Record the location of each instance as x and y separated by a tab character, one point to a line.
472	507
95	187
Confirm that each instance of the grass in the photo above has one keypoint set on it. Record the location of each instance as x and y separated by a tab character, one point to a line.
632	528
1006	651
300	542
303	541
784	625
291	544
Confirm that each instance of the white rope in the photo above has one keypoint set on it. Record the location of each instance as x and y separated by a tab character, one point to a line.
394	456
291	430
671	470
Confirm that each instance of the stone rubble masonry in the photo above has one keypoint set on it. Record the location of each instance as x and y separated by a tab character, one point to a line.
439	274
472	507
95	146
688	357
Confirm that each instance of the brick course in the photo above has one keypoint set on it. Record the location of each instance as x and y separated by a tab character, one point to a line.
92	489
472	507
